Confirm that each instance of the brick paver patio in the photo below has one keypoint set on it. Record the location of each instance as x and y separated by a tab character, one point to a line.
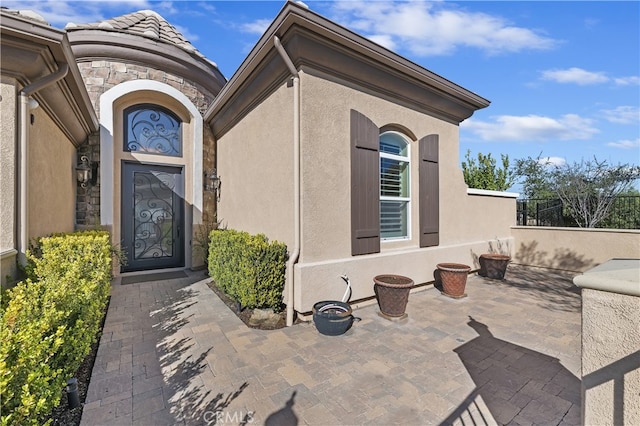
509	353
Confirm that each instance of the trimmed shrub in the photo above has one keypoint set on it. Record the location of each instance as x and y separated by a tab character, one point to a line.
248	268
50	322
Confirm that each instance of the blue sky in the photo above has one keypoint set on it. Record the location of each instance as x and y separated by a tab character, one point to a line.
563	78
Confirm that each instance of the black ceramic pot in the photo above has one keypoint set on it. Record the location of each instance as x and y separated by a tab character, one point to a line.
332	317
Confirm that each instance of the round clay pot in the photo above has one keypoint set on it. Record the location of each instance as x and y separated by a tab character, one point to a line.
493	265
392	292
454	278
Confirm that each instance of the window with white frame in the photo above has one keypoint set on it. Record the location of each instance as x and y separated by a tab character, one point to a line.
394	186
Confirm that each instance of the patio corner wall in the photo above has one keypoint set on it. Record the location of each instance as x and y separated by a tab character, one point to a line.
572	249
611	343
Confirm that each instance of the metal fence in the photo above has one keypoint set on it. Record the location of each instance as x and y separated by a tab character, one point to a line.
623	214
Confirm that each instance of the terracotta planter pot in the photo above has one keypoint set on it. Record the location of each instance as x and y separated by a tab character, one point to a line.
454	278
493	265
392	292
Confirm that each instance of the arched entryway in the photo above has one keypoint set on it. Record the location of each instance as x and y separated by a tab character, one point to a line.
151	152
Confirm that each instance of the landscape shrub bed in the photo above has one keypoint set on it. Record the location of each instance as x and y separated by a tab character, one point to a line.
50	321
248	268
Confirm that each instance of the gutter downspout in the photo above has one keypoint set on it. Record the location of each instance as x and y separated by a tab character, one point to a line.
295	253
23	222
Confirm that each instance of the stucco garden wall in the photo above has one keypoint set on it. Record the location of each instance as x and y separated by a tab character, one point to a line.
610	357
611	343
52	183
572	249
8	137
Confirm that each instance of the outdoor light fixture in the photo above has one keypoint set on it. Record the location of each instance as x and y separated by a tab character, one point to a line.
86	172
83	171
212	182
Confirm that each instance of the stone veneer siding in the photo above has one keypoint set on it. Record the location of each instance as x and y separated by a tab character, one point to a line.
100	76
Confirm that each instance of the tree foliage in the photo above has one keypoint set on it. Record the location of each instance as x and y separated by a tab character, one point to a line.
482	172
535	178
587	189
625	213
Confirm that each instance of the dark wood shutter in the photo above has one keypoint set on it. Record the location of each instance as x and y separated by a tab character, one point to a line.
429	192
365	185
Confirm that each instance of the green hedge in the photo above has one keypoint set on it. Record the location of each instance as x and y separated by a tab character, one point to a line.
50	322
248	268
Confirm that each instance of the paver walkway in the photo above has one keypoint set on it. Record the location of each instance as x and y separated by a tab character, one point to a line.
509	353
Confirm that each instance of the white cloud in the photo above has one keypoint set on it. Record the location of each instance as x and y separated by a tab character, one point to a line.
625	144
187	34
427	28
256	27
575	75
532	128
59	13
164	8
207	7
552	161
627	81
623	115
384	40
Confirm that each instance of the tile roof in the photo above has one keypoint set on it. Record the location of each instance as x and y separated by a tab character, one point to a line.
26	14
145	23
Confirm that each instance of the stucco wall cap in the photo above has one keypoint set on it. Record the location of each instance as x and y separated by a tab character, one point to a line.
615	276
490	193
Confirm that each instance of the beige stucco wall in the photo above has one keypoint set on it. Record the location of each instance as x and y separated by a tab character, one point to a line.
572	249
8	138
610	358
255	160
467	222
51	175
255	163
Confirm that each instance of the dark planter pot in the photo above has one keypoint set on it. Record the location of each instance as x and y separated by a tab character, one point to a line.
332	318
454	278
392	292
493	265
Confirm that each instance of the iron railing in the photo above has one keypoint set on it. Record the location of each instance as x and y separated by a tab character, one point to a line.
623	214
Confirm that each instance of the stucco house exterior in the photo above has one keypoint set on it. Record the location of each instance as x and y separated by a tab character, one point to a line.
46	116
322	139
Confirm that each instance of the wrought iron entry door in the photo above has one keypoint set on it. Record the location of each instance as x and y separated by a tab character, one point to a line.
152	216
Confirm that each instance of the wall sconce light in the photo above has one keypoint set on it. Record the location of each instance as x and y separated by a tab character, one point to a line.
86	172
212	182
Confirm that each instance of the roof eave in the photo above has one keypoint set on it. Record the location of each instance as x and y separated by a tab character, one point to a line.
90	44
31	51
305	34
